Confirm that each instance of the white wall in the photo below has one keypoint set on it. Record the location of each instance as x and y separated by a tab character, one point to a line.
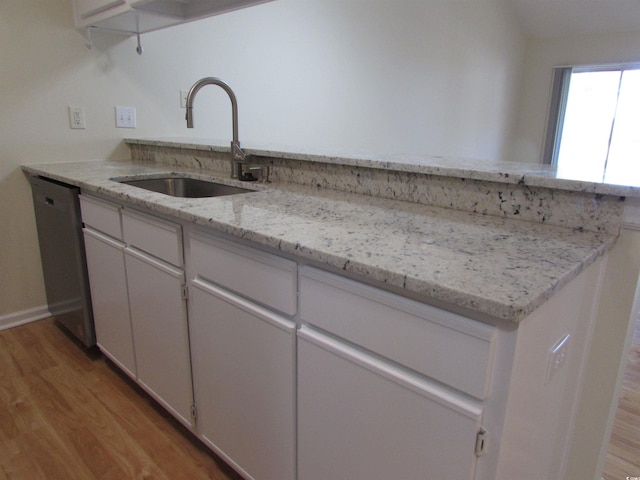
324	75
358	75
541	56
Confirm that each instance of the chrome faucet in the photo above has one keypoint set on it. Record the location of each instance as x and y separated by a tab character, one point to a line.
237	155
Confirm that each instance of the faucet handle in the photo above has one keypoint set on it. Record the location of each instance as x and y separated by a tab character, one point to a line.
258	172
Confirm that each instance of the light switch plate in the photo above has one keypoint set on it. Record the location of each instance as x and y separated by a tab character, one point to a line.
125	117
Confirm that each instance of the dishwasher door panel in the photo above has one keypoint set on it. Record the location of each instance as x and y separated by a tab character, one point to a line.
63	258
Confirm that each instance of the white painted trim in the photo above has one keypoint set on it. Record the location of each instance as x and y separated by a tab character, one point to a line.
24	316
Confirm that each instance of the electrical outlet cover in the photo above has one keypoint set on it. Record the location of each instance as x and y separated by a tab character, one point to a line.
76	118
557	357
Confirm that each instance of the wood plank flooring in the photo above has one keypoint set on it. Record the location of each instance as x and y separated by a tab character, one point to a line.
68	414
623	457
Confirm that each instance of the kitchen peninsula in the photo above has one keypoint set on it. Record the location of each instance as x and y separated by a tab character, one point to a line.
454	282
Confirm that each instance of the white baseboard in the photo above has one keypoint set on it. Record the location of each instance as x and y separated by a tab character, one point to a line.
25	316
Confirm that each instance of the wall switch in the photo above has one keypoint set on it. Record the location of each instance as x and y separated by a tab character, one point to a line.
76	118
557	357
183	98
125	117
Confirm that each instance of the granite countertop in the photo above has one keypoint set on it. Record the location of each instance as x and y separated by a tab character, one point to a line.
535	175
490	266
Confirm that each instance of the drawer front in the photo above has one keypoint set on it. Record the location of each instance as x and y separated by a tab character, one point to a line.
265	278
101	215
447	347
159	238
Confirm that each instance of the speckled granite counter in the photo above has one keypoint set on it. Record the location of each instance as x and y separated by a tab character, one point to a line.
494	266
510	190
534	175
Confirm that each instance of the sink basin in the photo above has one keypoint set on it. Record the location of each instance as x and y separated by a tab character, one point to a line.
186	187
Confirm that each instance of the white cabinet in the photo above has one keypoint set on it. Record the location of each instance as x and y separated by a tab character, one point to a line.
88	11
137	285
155	280
295	372
372	396
359	417
107	278
160	331
243	358
139	16
266	279
449	348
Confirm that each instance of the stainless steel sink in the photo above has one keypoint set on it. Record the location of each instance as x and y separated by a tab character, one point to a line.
186	187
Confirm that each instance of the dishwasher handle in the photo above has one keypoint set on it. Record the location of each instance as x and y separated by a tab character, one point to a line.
49	194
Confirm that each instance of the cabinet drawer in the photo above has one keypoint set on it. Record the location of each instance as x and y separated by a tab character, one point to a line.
447	347
157	237
101	215
265	278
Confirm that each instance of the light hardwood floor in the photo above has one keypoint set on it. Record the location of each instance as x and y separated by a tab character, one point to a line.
66	414
623	457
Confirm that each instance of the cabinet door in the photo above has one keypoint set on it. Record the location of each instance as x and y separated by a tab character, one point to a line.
243	370
359	417
160	332
107	277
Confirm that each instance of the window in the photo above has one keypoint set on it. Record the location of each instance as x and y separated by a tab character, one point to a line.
593	131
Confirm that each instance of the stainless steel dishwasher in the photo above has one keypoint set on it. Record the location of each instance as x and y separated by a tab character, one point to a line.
64	265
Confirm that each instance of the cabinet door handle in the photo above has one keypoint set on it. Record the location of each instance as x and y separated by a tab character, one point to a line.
481	442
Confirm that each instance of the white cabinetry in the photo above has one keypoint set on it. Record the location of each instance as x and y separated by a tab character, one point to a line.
358	417
449	348
139	16
363	413
244	355
393	388
88	11
136	275
91	7
300	373
155	279
107	277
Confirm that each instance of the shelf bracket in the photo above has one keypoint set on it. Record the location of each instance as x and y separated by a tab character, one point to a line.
139	49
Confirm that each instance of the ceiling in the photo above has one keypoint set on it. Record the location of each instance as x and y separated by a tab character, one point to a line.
565	18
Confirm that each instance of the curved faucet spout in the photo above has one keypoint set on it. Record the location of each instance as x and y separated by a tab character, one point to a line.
237	155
